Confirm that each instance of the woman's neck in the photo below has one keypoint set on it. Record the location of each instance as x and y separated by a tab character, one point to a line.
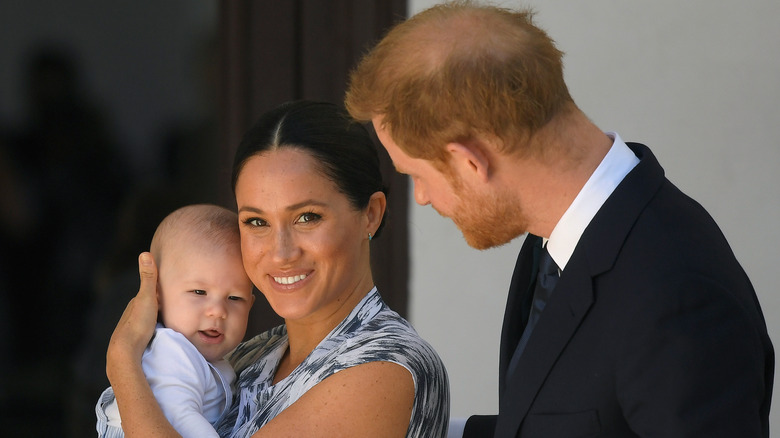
304	335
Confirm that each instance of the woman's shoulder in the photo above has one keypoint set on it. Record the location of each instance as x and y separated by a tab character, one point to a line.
387	336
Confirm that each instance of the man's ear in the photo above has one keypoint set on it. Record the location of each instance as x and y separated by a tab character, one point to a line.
470	158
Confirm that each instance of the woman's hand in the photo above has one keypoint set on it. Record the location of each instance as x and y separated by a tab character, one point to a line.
136	326
141	415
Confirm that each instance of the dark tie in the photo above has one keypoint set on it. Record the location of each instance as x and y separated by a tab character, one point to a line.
546	278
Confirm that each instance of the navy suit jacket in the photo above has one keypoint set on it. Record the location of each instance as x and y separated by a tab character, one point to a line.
653	330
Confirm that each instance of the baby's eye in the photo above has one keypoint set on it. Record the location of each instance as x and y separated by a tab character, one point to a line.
308	217
235	298
199	292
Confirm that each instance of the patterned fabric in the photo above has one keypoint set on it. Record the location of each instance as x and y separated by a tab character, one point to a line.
372	332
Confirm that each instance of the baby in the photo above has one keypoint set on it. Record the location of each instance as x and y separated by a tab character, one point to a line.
205	297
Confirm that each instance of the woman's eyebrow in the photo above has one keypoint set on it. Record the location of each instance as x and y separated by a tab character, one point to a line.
296	206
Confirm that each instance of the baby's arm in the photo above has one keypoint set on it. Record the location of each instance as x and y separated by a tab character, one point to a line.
181	381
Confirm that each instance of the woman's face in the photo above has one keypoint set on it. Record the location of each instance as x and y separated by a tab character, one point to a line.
304	245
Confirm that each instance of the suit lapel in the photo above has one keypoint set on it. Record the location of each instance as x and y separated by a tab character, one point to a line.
519	295
573	296
568	305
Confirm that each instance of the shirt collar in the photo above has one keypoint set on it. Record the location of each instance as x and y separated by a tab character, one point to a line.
609	173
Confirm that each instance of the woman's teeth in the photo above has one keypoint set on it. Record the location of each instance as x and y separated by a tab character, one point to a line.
289	280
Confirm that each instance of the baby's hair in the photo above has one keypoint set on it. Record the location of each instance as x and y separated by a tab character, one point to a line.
209	224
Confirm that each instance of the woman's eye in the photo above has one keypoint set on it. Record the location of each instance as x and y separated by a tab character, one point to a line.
308	217
254	222
199	292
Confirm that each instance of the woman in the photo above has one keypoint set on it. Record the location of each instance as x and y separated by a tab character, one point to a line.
310	200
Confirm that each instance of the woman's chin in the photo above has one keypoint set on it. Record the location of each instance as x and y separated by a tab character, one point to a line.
289	311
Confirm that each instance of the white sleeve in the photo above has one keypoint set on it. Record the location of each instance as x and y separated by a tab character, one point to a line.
457	425
179	377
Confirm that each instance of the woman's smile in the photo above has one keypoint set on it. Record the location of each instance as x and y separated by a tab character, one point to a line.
290	279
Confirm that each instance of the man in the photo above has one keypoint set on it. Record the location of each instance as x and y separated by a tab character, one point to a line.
628	314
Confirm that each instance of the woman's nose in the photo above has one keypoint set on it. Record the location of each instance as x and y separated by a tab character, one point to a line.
285	246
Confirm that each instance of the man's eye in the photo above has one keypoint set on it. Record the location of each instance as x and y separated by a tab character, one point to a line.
308	217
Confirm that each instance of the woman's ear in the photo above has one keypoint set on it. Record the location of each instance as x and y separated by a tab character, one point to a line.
377	204
470	158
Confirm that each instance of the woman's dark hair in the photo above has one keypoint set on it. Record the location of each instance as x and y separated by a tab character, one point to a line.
342	147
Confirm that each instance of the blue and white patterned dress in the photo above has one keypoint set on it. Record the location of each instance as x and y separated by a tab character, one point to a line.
372	332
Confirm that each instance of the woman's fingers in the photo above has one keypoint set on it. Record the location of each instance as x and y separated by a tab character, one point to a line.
148	272
136	326
144	315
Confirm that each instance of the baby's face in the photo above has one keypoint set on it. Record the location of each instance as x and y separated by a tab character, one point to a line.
206	296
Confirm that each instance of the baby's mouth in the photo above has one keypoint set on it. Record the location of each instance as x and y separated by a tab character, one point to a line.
211	336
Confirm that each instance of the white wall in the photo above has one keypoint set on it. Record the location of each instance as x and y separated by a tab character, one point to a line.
698	82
